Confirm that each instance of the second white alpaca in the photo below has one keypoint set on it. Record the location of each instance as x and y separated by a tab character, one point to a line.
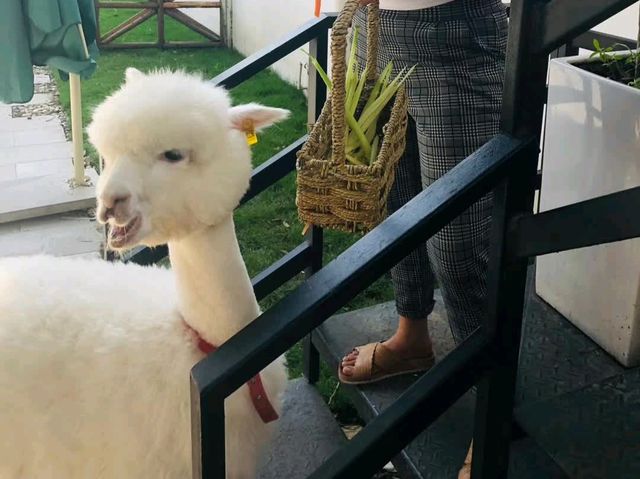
95	357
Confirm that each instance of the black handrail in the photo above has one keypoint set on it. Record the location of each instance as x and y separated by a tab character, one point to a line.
560	21
490	354
262	341
268	56
281	326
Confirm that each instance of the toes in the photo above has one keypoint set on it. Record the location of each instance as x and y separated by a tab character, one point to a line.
351	356
348	362
347	370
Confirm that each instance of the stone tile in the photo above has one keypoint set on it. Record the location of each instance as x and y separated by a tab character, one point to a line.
9	228
49	134
7	173
41	78
5	121
5	116
26	154
46	224
45	167
7	139
40	98
92	255
34	123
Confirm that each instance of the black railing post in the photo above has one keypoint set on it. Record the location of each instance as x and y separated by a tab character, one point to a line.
317	94
566	50
207	435
523	105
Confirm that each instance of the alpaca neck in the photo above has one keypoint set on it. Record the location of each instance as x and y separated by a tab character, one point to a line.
214	290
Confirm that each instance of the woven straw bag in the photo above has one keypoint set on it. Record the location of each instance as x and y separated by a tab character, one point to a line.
331	192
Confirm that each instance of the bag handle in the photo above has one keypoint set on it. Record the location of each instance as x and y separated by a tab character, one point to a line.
339	67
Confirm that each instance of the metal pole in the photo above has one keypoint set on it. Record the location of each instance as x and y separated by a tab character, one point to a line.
522	109
79	178
75	94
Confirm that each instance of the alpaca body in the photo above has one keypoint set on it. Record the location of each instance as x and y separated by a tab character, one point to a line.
95	357
100	388
78	388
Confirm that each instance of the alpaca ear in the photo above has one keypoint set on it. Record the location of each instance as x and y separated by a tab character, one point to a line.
244	117
131	74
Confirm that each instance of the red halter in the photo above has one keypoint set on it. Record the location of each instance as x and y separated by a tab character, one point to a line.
258	394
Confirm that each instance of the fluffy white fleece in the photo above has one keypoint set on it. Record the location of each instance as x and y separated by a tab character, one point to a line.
95	357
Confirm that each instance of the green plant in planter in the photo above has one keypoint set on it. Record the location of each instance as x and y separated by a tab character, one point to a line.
621	68
620	65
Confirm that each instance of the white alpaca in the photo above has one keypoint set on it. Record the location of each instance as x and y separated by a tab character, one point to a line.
95	357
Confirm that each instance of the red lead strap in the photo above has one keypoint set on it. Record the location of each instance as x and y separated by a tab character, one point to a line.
258	394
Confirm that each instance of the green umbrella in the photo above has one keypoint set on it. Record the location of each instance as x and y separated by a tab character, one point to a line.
57	33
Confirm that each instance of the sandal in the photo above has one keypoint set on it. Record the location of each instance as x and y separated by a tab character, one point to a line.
376	362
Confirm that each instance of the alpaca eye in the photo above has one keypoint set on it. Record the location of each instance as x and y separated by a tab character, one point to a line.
172	156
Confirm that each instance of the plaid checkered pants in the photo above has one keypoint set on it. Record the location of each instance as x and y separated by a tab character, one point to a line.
455	98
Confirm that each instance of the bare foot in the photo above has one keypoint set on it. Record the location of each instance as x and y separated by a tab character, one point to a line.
411	340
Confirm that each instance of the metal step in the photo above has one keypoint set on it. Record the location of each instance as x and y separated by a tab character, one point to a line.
307	435
580	405
439	451
556	357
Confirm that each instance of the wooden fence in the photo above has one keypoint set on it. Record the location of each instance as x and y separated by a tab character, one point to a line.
159	9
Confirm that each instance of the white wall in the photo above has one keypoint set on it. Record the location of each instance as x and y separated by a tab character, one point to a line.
258	23
624	24
255	24
209	17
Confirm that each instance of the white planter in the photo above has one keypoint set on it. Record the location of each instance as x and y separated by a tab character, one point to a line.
592	148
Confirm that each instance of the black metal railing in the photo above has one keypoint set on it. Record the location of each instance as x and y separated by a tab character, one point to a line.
506	165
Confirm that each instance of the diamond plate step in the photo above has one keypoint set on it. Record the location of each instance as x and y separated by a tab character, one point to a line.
593	433
556	357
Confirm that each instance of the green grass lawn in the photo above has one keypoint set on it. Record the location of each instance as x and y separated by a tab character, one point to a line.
267	226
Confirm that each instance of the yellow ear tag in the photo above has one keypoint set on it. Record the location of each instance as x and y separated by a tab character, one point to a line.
250	132
252	138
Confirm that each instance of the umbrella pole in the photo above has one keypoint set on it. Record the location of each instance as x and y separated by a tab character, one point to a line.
79	178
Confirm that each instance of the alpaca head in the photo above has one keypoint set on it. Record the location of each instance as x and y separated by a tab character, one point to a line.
175	156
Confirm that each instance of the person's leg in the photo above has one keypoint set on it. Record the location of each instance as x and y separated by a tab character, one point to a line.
456	102
412	278
457	115
465	62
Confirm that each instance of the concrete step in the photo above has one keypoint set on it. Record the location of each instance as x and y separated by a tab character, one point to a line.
38	196
65	234
307	435
439	451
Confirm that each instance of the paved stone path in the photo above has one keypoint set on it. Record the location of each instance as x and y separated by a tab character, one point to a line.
35	163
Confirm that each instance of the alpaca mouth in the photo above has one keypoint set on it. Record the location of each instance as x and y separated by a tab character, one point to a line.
121	236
